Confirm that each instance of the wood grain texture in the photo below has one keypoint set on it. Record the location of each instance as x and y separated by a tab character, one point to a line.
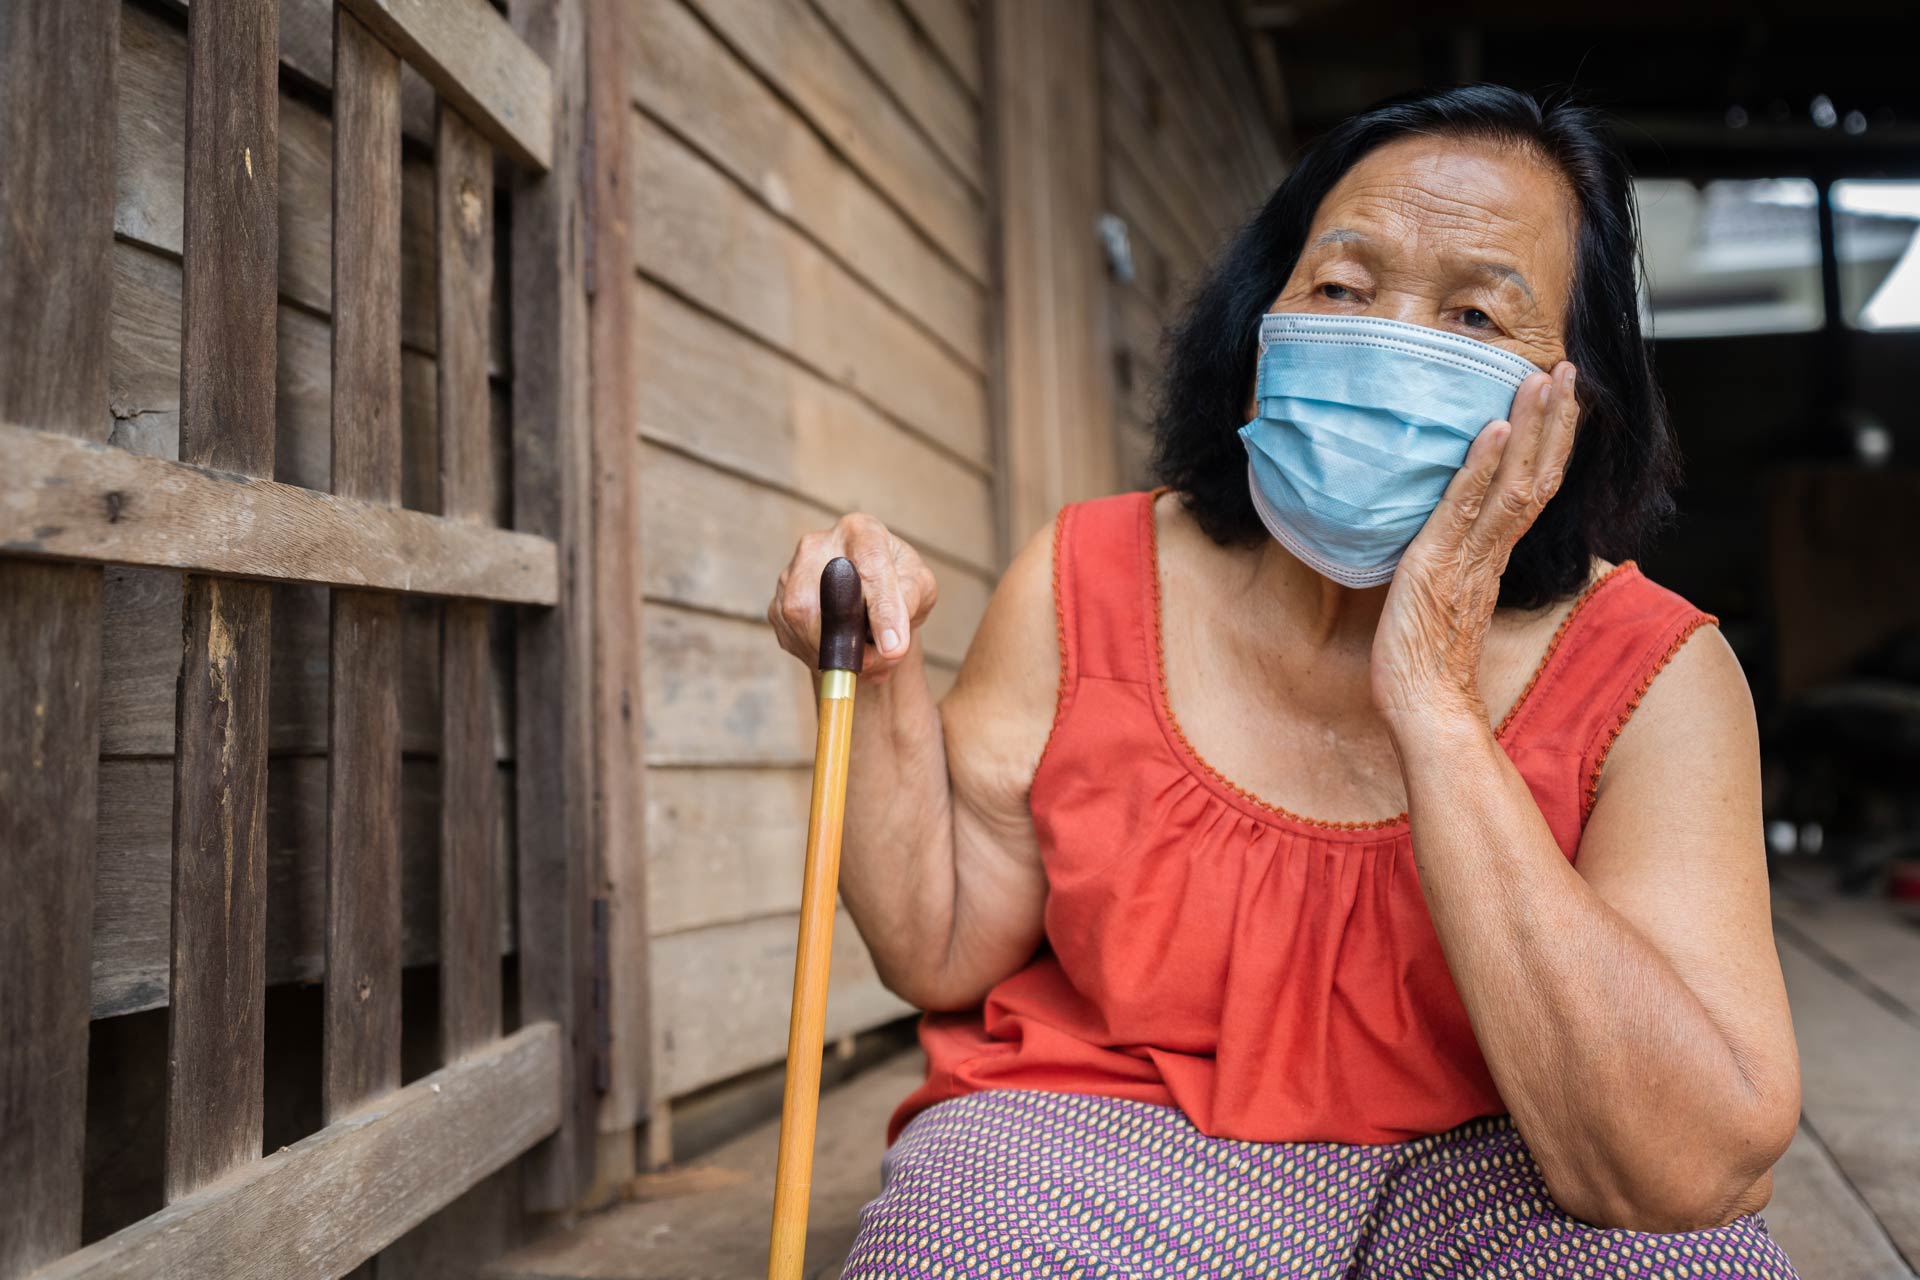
708	1218
725	992
1856	1082
67	499
719	691
362	1045
714	538
150	186
322	1205
131	912
469	890
476	63
880	32
625	1077
684	76
552	488
1822	1223
56	229
953	27
793	47
698	233
714	394
216	1030
49	687
1056	411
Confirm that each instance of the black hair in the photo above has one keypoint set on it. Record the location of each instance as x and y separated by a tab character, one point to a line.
1619	479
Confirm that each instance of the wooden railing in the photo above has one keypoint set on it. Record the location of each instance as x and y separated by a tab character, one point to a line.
387	1156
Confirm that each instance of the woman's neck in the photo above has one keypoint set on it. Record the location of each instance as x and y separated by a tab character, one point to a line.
1281	592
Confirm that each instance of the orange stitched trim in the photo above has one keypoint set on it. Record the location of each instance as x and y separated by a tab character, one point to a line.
1060	633
1166	706
1626	712
1553	646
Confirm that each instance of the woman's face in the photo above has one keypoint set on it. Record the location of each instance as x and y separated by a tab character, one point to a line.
1453	234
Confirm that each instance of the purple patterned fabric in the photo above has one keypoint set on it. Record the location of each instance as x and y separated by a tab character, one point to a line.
1022	1183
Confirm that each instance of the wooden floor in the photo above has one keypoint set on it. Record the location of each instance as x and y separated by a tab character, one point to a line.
1846	1200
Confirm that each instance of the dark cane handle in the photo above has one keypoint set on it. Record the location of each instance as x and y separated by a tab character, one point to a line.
843	617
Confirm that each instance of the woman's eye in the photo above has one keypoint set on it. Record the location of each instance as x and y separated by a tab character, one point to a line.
1336	292
1475	318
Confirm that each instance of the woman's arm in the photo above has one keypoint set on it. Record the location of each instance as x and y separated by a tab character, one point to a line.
1632	1012
940	865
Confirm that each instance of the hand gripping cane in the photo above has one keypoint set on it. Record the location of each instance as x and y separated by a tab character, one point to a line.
842	641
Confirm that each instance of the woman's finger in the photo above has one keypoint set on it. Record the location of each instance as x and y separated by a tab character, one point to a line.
1558	445
870	547
1461	502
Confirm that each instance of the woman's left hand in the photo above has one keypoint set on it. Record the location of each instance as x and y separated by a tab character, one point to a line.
1426	650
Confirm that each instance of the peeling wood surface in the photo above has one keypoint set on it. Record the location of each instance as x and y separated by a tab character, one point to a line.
321	1205
216	1032
67	499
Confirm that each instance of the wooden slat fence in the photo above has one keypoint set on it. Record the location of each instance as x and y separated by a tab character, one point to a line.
387	1156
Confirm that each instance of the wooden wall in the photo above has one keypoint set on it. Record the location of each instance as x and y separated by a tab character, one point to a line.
811	297
1189	155
814	267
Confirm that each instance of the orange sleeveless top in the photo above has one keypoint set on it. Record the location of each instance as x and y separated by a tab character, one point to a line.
1274	976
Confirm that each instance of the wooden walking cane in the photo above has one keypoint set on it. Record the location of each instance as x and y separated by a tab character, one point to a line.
842	641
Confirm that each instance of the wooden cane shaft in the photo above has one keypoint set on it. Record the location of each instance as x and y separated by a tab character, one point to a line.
806	1030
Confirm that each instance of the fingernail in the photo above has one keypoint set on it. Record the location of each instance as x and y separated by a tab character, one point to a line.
889	640
1546	392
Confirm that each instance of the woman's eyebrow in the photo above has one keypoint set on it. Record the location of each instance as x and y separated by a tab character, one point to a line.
1504	273
1336	235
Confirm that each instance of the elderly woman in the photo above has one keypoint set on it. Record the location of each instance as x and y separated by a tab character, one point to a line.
1341	860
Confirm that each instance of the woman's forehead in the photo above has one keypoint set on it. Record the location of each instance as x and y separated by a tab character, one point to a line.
1461	198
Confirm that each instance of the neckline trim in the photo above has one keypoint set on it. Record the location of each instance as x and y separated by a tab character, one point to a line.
1266	810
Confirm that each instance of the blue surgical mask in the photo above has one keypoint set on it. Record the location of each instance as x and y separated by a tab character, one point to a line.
1360	424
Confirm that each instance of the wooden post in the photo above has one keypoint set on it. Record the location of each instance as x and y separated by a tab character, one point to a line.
554	696
618	627
469	888
1055	410
57	60
216	1027
361	1053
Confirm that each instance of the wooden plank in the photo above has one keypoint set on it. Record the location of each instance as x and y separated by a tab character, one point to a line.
1821	1222
472	58
624	1075
49	682
716	542
131	917
552	496
699	234
720	691
56	228
70	500
216	1031
954	29
150	182
879	32
711	392
793	48
721	841
692	1223
1856	1082
1880	947
687	79
469	892
723	994
1055	388
322	1205
362	1045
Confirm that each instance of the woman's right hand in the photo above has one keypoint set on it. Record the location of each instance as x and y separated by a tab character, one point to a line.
896	585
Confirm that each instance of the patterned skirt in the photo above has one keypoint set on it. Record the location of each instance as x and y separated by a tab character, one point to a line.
1020	1183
